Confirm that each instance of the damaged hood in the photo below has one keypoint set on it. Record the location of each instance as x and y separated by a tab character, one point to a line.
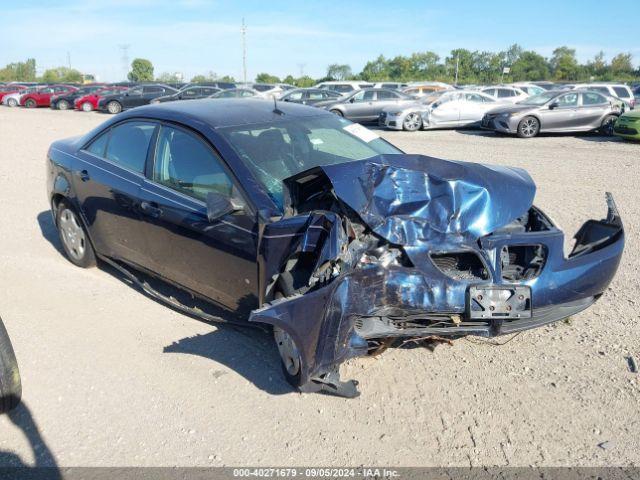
416	200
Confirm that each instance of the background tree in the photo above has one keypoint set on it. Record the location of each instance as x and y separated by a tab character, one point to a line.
337	71
19	71
267	78
169	77
530	66
141	71
61	75
621	65
564	64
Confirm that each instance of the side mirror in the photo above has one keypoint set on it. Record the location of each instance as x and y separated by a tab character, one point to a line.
126	94
219	205
351	100
554	105
286	100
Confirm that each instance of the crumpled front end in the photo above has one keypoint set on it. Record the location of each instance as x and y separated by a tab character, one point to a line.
405	248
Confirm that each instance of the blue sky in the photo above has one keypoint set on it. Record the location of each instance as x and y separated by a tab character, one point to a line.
199	36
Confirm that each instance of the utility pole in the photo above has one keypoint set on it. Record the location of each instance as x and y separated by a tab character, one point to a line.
125	58
243	31
69	59
457	65
301	68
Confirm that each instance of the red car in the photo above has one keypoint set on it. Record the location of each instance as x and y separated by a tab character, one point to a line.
42	98
90	102
9	89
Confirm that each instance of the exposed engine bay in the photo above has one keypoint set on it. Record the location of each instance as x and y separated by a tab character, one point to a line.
406	249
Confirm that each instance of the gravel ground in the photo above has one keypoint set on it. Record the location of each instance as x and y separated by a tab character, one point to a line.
113	378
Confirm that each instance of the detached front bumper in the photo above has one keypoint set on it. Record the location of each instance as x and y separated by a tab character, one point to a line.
339	321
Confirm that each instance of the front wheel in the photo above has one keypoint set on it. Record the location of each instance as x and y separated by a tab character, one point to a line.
528	127
114	107
12	102
289	355
412	122
63	105
73	236
10	384
606	128
337	112
87	107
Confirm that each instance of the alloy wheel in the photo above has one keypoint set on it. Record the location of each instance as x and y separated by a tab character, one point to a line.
412	122
529	127
63	105
72	234
87	107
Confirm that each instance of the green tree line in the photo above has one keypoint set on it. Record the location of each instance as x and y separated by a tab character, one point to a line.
480	67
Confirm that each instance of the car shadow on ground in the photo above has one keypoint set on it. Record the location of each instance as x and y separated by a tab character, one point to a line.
45	465
249	351
587	136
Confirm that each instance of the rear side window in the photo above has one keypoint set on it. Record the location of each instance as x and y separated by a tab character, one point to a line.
98	146
386	95
593	99
504	93
621	92
604	90
186	164
129	143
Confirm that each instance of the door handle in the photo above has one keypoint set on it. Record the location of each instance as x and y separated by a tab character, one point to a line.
84	176
151	209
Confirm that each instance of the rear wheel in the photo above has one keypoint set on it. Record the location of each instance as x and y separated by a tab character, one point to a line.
412	122
10	384
73	236
528	127
114	107
63	105
12	102
87	107
606	128
31	103
337	112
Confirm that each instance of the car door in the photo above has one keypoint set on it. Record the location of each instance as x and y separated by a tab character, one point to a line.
107	177
446	111
473	106
132	98
561	113
191	93
358	106
152	91
592	109
214	258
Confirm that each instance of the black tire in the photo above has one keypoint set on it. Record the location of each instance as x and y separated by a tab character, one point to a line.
337	112
74	237
528	127
606	127
114	107
63	105
10	384
31	103
293	377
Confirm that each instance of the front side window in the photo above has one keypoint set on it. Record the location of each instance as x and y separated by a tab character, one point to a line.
274	153
569	100
369	96
98	146
187	164
295	96
191	92
135	91
153	90
129	143
474	97
318	95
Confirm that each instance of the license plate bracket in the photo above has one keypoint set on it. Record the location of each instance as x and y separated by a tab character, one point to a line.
499	302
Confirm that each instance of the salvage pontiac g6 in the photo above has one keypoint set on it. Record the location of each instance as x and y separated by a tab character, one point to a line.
298	220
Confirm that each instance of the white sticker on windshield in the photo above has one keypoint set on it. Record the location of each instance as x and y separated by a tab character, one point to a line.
317	141
361	132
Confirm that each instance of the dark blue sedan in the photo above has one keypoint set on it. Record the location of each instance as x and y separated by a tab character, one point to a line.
297	219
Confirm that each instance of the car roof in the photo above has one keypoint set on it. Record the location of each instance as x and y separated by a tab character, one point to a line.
225	112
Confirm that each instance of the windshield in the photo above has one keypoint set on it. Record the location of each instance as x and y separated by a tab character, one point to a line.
538	99
274	152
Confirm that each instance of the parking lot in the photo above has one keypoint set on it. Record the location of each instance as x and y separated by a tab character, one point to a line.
112	377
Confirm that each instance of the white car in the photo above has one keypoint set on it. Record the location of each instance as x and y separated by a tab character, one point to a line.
13	99
529	88
449	109
344	86
505	94
390	85
618	90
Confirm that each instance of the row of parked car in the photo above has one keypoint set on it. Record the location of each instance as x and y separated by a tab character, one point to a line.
524	109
